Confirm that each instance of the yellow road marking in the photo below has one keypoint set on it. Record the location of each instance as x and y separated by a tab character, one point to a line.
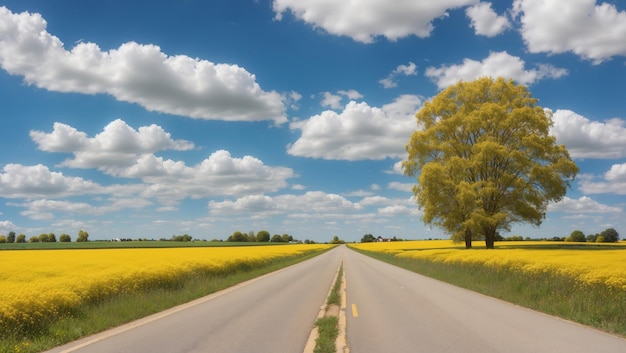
355	313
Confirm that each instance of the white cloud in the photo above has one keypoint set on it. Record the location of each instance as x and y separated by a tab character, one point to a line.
408	187
359	132
332	101
134	73
118	145
44	209
19	181
589	139
406	70
7	226
351	94
583	205
485	21
614	182
219	174
313	203
364	20
617	173
594	32
497	64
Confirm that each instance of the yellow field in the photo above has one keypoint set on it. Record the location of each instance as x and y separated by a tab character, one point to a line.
39	284
588	264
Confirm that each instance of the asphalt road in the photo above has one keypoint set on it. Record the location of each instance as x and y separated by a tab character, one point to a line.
274	313
389	309
400	311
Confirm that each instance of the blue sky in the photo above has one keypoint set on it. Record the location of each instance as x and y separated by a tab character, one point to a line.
154	118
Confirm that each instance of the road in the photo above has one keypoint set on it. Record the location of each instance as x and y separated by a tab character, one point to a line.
274	313
389	309
401	311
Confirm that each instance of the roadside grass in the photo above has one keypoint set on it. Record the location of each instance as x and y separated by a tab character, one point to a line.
123	308
592	305
328	331
328	325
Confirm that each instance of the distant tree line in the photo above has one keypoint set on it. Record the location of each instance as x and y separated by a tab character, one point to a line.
263	236
43	238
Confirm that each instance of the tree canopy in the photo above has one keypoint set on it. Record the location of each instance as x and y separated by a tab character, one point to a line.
484	159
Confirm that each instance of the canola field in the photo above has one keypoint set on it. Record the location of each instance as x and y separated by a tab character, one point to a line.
593	264
41	285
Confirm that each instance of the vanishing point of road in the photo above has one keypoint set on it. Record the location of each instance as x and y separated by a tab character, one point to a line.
389	309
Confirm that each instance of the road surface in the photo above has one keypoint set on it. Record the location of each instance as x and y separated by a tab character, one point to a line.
274	313
389	309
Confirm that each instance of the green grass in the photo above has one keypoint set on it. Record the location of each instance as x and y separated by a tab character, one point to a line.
334	298
328	332
596	306
115	311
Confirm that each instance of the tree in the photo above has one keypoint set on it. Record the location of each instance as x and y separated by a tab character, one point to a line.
263	236
21	238
577	236
65	238
11	237
3	238
484	159
336	240
44	238
610	235
592	238
33	239
237	237
52	238
368	238
82	236
286	238
276	238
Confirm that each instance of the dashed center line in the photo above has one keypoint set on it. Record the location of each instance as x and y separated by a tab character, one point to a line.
355	313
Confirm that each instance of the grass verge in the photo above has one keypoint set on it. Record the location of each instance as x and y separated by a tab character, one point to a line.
123	308
597	306
328	325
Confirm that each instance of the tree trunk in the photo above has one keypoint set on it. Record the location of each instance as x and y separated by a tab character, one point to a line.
468	239
490	238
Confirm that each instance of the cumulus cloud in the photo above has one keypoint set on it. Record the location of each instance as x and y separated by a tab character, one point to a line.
613	182
589	139
497	64
359	132
118	145
29	182
584	204
44	209
312	203
333	101
402	70
134	73
219	174
363	21
7	226
485	21
594	32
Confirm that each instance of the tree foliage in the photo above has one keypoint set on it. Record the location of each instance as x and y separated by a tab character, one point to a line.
368	238
484	160
610	235
263	236
577	236
82	236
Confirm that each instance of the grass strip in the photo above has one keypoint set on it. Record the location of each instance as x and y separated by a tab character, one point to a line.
124	308
328	328
334	298
592	305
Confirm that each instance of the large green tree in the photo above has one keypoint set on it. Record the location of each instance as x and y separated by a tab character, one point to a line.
484	159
